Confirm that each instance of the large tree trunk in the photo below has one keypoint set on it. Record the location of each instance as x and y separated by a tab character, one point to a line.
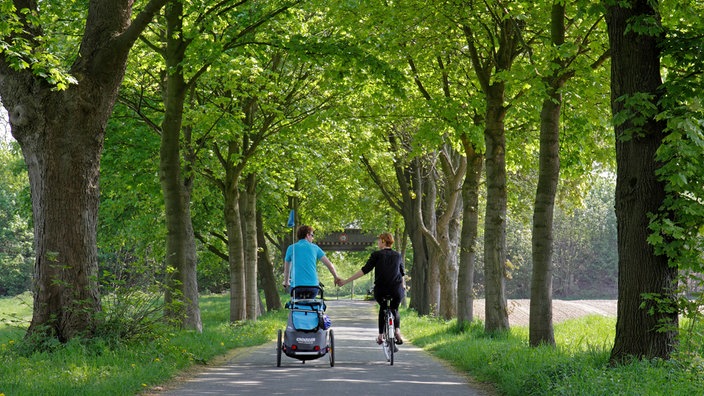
62	146
61	134
635	70
468	240
540	320
180	240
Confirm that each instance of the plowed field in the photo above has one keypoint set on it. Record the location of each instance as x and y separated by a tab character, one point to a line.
561	310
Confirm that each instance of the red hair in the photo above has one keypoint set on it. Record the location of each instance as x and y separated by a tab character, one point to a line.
387	239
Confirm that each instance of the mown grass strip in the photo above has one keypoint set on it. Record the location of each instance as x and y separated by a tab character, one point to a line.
95	368
577	366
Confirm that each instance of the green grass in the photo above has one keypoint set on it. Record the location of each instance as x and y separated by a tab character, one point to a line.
577	366
15	313
96	368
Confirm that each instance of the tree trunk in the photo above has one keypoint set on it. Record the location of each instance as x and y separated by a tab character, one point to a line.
442	218
496	310
265	269
235	250
249	238
61	134
447	235
449	266
61	147
182	292
468	241
427	197
507	34
635	70
406	177
540	319
420	300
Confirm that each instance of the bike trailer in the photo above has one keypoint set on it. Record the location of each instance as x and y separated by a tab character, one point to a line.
308	334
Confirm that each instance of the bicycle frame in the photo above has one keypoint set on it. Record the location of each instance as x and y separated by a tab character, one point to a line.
389	337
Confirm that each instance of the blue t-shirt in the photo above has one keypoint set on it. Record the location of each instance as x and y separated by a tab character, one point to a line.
304	256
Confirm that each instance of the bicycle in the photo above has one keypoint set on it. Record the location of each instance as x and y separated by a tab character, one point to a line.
389	336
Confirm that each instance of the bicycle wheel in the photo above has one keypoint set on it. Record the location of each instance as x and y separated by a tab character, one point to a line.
331	351
385	345
389	340
390	337
278	349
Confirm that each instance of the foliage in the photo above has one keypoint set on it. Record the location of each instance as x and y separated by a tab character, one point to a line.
577	366
16	249
677	230
347	264
43	54
97	366
585	255
132	302
131	205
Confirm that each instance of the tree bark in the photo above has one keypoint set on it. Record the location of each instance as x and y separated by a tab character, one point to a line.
540	319
419	292
468	240
447	235
498	60
249	238
61	134
635	71
265	269
427	221
420	272
496	309
182	292
441	219
235	251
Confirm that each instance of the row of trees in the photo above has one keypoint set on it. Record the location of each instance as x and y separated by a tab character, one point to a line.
585	240
449	108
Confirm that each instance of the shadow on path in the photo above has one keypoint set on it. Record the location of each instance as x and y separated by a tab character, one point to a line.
360	367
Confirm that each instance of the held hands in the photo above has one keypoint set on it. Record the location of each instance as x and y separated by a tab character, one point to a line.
340	282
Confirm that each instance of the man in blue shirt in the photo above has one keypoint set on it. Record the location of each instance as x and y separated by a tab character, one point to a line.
301	260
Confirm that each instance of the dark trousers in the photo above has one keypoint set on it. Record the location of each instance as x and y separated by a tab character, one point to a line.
396	297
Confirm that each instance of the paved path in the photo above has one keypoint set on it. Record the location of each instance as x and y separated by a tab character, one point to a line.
360	367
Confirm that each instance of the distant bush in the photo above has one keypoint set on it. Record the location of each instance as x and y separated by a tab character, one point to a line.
16	237
15	274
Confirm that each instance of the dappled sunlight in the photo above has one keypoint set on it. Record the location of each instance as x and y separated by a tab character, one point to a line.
360	366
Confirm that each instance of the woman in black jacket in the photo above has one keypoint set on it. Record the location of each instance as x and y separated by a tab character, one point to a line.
388	281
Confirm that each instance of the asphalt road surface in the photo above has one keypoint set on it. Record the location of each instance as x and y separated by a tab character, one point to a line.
360	367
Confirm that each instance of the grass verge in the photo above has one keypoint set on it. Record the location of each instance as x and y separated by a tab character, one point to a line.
577	366
96	368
